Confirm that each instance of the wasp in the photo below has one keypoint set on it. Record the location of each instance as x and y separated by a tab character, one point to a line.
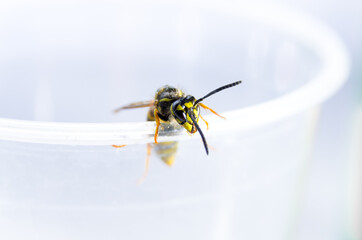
171	104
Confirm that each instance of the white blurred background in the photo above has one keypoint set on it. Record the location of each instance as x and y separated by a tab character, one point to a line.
334	203
332	206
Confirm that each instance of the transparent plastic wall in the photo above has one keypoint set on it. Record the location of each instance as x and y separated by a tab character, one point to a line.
65	66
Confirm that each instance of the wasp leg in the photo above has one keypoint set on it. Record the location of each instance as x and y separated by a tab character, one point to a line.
147	165
207	124
157	119
135	105
119	146
206	107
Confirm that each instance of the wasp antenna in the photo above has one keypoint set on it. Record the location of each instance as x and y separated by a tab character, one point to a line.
218	90
191	114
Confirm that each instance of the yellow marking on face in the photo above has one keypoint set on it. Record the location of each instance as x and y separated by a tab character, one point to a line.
179	108
188	118
188	126
196	112
189	104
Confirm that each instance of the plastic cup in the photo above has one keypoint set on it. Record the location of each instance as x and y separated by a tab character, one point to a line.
64	67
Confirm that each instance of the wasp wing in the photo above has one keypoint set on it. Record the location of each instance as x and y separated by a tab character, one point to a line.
135	105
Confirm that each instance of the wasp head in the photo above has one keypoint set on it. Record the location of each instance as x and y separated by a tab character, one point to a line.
184	110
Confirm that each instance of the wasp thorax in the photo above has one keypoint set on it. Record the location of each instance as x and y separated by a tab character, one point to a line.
164	97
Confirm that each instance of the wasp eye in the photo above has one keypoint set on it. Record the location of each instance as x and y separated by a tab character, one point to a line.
178	112
181	116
